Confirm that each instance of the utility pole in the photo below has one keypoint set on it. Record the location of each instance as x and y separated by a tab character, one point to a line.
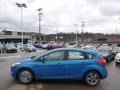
116	32
56	34
21	6
82	25
39	14
76	25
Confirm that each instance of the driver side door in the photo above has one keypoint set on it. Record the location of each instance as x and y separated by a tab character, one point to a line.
53	65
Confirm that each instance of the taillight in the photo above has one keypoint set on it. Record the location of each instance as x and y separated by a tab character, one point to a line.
101	61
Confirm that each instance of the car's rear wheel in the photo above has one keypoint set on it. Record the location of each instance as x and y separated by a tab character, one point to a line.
92	78
25	76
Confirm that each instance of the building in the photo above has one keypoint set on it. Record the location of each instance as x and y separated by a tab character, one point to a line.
14	37
86	38
71	37
32	37
113	38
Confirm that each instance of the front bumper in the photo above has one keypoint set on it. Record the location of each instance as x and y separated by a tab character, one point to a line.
11	50
117	60
14	71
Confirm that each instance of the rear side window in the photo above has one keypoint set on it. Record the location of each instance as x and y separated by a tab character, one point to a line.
76	55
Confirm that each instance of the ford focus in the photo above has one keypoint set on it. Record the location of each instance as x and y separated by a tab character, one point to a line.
62	63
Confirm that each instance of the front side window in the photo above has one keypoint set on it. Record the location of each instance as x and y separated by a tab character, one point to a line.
59	55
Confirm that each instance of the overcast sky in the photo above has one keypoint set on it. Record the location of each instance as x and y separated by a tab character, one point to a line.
99	15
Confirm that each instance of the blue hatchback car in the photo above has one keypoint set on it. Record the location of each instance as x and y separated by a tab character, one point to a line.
62	63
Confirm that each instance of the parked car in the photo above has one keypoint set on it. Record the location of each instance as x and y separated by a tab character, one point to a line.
38	45
9	48
57	45
1	47
71	45
62	63
116	50
29	48
20	46
92	48
105	52
45	46
67	45
117	58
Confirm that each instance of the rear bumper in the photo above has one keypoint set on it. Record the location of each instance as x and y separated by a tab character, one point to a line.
104	74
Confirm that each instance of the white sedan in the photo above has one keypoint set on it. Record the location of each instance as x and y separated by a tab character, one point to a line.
117	58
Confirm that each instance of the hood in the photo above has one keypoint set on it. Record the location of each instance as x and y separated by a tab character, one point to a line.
11	48
103	53
25	60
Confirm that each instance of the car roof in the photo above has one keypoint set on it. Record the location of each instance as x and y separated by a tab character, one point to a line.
74	49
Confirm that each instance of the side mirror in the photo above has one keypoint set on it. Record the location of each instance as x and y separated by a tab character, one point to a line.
42	59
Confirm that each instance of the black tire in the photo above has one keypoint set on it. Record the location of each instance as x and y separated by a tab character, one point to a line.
31	78
92	81
116	63
7	51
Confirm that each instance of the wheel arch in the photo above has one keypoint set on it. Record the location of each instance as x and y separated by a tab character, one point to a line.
25	68
90	71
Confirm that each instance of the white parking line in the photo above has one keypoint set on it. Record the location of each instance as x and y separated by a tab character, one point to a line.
11	56
17	87
26	87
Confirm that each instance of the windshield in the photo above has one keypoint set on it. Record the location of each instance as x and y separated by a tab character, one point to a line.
103	53
103	50
29	45
10	46
116	49
38	55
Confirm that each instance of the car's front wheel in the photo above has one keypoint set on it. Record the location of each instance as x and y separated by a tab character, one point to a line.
92	78
25	76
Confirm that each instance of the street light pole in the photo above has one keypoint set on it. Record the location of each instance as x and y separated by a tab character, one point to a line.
22	25
39	14
21	5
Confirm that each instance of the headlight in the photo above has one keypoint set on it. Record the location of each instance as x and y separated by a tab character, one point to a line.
15	64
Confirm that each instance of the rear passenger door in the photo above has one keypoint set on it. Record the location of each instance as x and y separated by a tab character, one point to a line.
75	63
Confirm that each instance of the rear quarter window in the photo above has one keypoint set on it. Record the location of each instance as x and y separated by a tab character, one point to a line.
89	56
79	55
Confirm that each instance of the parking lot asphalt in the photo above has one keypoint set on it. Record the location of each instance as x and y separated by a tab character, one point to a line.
112	82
